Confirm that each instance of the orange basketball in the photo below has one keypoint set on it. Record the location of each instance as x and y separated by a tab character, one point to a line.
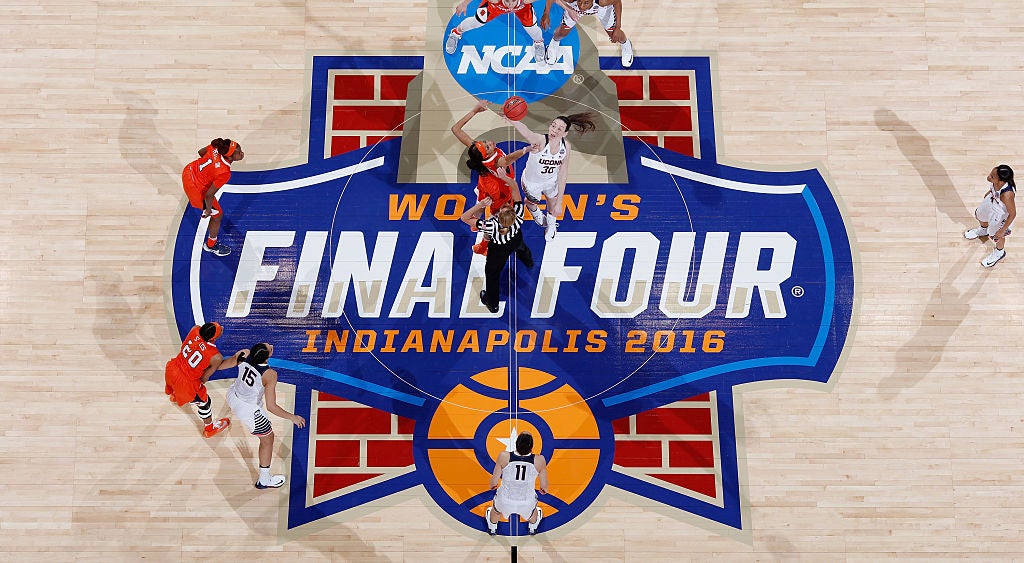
515	108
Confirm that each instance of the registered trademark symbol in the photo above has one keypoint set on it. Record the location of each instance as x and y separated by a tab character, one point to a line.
577	79
797	291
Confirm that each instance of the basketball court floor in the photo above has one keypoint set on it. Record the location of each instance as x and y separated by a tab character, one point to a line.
758	334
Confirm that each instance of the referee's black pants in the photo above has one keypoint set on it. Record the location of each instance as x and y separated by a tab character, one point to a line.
497	257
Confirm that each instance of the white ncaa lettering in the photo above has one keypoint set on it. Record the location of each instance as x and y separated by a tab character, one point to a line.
492	59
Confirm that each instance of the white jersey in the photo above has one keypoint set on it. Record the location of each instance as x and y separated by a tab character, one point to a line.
542	166
995	195
518	481
605	14
248	386
594	8
992	209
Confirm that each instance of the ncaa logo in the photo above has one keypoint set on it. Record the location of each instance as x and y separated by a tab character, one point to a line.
497	60
619	350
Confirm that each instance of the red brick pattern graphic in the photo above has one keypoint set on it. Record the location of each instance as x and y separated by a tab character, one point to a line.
659	108
675	444
365	107
353	443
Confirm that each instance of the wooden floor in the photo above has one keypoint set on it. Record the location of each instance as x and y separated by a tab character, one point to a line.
913	451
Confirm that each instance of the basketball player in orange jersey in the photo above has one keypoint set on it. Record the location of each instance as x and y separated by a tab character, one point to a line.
490	10
608	12
203	177
186	374
484	158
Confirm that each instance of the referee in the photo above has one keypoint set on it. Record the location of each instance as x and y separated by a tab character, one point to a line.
505	229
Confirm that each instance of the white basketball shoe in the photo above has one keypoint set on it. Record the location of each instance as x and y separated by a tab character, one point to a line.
627	53
275	481
993	257
452	42
976	232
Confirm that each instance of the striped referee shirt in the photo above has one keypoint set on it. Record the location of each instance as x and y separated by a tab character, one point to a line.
492	227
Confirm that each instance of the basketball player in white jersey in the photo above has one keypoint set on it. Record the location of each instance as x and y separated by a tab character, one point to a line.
518	473
255	383
996	212
609	14
548	166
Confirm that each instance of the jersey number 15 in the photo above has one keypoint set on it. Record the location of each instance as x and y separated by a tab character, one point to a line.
249	376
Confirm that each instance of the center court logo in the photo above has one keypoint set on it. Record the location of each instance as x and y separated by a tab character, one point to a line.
619	350
497	61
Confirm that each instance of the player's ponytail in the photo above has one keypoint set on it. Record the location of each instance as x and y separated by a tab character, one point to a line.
222	145
581	122
1005	173
476	161
258	354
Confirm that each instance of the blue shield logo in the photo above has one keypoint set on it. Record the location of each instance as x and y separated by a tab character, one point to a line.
619	349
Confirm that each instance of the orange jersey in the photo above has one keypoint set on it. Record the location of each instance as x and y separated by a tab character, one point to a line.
205	172
491	186
184	372
195	355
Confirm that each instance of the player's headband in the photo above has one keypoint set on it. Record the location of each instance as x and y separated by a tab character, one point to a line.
565	119
220	329
480	147
231	148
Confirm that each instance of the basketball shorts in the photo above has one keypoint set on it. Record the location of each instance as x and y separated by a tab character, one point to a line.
533	192
492	187
605	15
196	194
507	506
184	387
487	12
254	417
992	213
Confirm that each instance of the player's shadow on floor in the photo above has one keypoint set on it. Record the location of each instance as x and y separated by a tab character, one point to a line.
128	291
145	150
948	306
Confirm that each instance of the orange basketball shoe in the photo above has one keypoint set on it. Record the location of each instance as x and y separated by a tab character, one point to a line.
481	247
215	428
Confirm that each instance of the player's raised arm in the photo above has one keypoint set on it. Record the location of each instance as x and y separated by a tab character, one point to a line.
512	157
531	137
457	129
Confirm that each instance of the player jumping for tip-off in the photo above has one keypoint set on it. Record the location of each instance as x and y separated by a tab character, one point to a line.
548	166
